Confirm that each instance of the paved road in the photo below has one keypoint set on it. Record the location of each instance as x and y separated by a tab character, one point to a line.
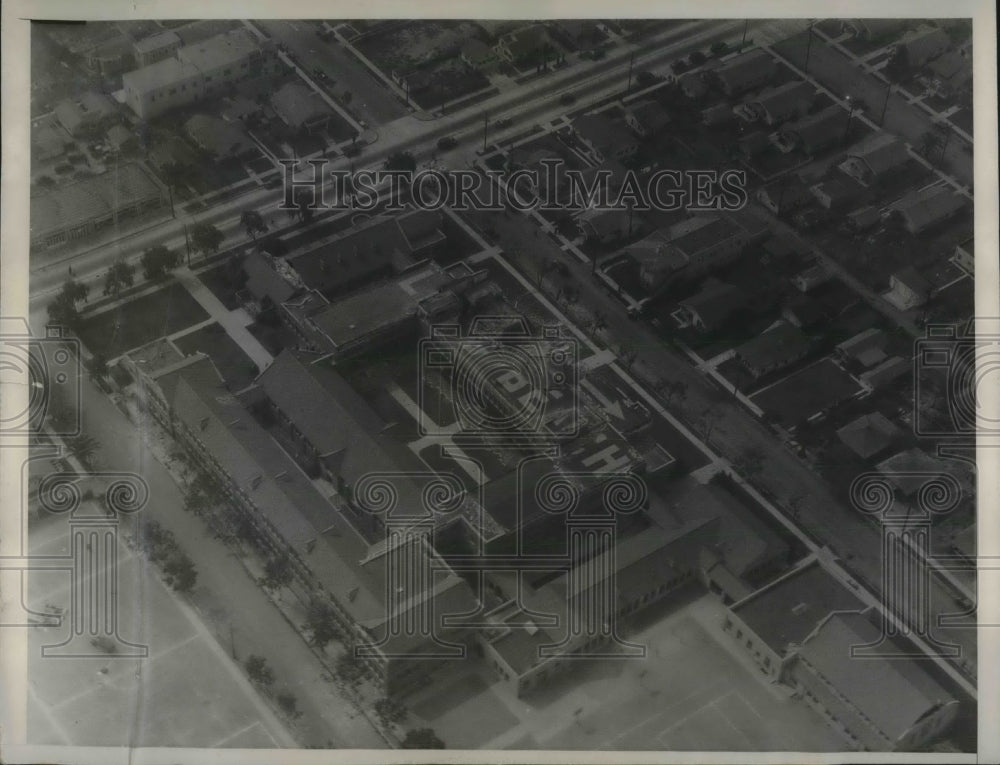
224	593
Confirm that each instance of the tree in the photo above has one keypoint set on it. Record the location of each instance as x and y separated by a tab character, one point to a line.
626	356
320	621
206	238
750	462
258	671
288	704
390	711
422	738
180	572
349	669
277	573
671	389
252	221
63	310
158	261
119	276
83	447
347	97
401	160
697	58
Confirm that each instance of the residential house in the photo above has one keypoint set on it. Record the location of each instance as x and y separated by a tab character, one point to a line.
908	289
48	140
875	159
965	255
745	72
156	47
478	55
816	132
923	45
647	117
812	277
86	115
580	33
695	247
923	209
608	225
301	108
713	305
693	85
525	46
720	114
910	470
112	57
605	138
838	193
785	194
752	145
869	435
775	105
219	139
890	370
803	311
864	218
863	350
774	349
873	30
952	74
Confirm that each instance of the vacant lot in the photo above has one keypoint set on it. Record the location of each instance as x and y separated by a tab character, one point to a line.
141	320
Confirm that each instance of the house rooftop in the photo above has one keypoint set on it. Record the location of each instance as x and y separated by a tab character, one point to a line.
218	137
780	343
746	70
715	302
297	104
868	435
156	42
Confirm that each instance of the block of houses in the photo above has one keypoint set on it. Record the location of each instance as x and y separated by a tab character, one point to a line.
775	105
156	47
924	44
875	159
908	289
869	435
774	349
865	349
219	139
524	46
785	194
647	117
923	209
477	54
816	132
605	138
86	115
301	108
713	305
745	72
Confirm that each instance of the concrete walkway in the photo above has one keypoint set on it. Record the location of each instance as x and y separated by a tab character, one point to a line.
234	322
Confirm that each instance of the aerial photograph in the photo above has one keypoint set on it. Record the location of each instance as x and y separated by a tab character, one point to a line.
509	384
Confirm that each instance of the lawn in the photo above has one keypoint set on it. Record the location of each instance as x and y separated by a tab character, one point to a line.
218	280
141	320
233	364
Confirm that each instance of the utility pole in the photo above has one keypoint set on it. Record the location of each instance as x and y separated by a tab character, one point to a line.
808	49
746	27
170	191
631	61
885	103
947	137
486	125
850	116
187	244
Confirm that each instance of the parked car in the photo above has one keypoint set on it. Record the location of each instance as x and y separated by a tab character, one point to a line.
567	99
447	142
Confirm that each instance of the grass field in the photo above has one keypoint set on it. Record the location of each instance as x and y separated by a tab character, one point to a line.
139	321
233	364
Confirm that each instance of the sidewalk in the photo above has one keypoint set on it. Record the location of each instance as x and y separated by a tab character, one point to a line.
234	322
